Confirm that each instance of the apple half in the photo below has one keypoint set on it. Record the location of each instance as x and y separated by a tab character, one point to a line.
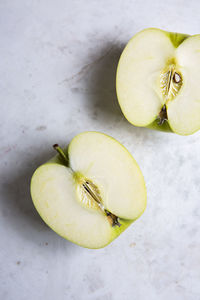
90	193
158	79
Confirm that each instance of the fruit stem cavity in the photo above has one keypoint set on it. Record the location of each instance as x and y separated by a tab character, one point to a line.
163	115
114	219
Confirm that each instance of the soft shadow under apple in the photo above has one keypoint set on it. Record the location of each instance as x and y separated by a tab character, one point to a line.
17	206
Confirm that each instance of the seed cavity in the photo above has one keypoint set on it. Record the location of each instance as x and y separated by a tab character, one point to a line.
89	194
90	197
170	83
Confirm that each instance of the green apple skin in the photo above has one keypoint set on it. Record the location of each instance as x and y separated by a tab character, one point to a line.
164	127
176	39
116	230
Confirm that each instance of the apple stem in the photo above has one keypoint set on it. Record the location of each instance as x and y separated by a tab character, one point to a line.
60	152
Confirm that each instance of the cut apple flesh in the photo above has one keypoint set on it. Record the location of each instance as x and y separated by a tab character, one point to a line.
93	197
158	78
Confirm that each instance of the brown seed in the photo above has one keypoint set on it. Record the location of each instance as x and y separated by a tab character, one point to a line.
176	77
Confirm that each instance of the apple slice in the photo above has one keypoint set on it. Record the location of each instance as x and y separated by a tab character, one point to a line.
90	193
158	81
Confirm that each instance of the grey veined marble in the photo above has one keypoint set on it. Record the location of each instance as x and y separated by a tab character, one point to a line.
57	78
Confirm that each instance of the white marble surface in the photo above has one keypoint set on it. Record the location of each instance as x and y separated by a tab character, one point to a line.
57	78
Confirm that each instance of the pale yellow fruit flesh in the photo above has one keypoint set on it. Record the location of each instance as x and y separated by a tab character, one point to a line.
184	110
57	193
54	193
145	59
110	167
138	71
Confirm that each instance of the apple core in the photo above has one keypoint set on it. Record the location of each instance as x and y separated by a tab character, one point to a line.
170	83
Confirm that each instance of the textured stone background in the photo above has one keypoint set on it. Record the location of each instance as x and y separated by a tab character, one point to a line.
57	78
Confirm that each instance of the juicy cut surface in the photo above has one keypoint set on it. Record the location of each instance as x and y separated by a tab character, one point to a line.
155	71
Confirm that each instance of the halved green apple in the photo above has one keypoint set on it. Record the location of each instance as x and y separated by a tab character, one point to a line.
90	193
158	81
